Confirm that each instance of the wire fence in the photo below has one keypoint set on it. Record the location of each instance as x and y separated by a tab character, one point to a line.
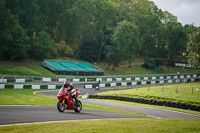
175	89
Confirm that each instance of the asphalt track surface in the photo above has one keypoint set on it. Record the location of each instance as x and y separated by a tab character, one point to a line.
149	111
23	114
19	114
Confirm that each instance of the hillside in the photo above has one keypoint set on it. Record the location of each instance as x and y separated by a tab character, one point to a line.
33	68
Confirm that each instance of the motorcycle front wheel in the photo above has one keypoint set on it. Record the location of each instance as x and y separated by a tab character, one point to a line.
60	106
78	107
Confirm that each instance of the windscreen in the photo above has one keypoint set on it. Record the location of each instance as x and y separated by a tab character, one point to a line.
61	90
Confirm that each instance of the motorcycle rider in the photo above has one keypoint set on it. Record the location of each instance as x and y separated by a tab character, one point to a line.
69	87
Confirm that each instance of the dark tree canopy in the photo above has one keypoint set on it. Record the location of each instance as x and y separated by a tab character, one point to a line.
86	29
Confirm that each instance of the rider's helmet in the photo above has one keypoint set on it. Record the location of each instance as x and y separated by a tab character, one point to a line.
66	84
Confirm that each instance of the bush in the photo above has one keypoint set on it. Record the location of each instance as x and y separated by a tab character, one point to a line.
64	50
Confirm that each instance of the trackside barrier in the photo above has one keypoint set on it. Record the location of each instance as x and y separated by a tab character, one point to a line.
17	86
151	102
132	83
106	79
167	81
38	79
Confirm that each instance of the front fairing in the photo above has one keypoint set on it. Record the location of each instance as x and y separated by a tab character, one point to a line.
61	92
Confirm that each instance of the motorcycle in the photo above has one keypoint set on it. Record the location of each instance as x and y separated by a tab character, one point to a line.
66	101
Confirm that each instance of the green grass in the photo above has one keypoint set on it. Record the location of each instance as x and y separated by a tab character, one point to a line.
26	97
128	71
36	70
184	94
151	125
33	68
137	69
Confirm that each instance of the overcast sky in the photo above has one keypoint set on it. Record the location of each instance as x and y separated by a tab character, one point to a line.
187	11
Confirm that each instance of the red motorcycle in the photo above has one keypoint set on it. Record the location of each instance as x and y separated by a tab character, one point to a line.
66	101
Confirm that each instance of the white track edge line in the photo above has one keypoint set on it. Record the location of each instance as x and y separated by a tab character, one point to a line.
19	124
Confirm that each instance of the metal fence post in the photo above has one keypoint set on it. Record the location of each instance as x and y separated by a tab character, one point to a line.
192	89
177	89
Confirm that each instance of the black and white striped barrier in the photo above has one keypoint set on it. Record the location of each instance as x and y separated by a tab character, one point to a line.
113	84
18	86
140	83
42	79
106	79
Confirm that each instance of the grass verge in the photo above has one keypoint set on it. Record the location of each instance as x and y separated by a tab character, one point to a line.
151	125
24	97
180	93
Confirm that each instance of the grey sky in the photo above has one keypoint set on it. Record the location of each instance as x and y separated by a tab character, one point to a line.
187	11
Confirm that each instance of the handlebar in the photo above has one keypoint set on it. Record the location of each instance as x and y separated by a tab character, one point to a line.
67	93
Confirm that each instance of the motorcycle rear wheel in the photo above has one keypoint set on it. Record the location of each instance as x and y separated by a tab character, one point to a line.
61	106
78	107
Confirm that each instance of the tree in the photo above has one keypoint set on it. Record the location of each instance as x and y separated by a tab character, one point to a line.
88	28
193	49
125	44
113	55
43	46
161	37
175	40
146	15
28	14
87	49
66	21
168	17
98	17
105	20
126	37
13	39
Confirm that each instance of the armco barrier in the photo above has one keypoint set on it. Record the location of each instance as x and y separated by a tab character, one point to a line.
142	82
18	86
5	79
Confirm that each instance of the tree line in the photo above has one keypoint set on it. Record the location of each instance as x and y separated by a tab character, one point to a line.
94	30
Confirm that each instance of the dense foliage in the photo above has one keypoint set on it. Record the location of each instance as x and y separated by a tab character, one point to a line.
125	44
90	30
193	48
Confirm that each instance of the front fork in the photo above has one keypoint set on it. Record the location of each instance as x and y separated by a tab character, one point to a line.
62	99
